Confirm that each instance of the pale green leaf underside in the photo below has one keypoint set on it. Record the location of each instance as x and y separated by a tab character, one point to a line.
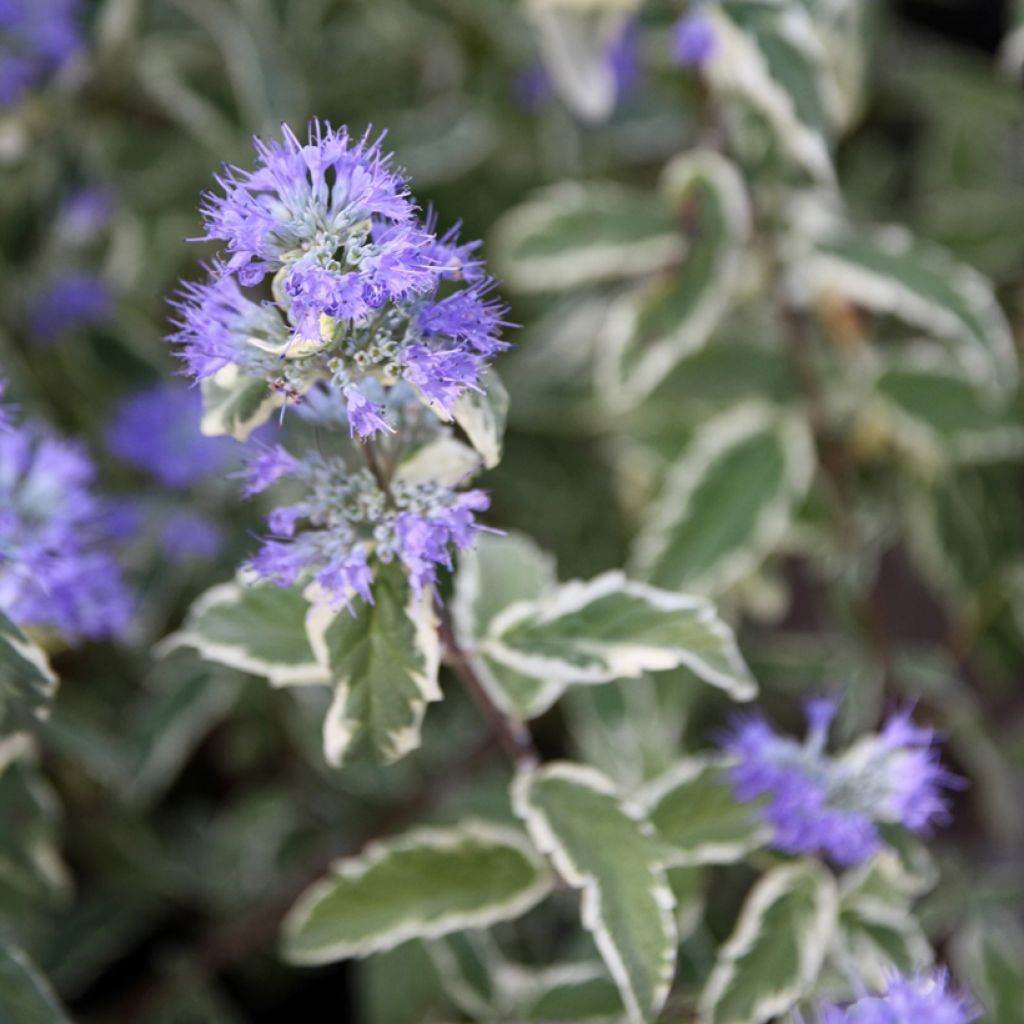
482	416
777	948
259	628
426	884
235	404
574	814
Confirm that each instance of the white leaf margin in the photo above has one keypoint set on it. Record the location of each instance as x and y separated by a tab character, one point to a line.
546	840
582	266
815	942
339	729
437	839
823	274
714	440
235	655
623	392
625	660
679	774
737	65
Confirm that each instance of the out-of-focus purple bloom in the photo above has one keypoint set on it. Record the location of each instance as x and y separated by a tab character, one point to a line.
533	89
359	281
56	569
37	38
156	431
927	999
7	410
189	535
85	214
693	41
71	300
817	802
624	59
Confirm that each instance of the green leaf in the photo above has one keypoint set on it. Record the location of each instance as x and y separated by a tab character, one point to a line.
878	932
772	58
694	810
988	954
497	571
728	501
482	416
579	993
573	235
417	999
612	628
470	967
183	702
27	683
574	44
574	814
776	950
235	404
670	318
444	460
887	271
25	995
32	874
943	416
426	884
258	628
383	661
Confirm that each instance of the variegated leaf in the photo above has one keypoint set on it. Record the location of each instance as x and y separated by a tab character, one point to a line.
426	884
728	501
887	271
254	627
694	810
235	404
613	628
601	848
649	331
572	235
383	661
777	948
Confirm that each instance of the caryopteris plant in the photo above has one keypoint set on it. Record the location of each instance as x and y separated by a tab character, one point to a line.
759	764
337	302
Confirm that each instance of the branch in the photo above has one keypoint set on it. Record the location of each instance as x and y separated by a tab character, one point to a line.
512	735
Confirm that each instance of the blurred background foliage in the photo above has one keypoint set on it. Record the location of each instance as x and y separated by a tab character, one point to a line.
177	808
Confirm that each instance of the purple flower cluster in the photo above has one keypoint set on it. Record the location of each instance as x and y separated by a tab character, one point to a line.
70	300
342	518
328	273
37	38
693	41
927	999
833	804
55	567
155	431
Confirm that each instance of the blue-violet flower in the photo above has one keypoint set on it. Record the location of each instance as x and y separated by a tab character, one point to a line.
833	804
